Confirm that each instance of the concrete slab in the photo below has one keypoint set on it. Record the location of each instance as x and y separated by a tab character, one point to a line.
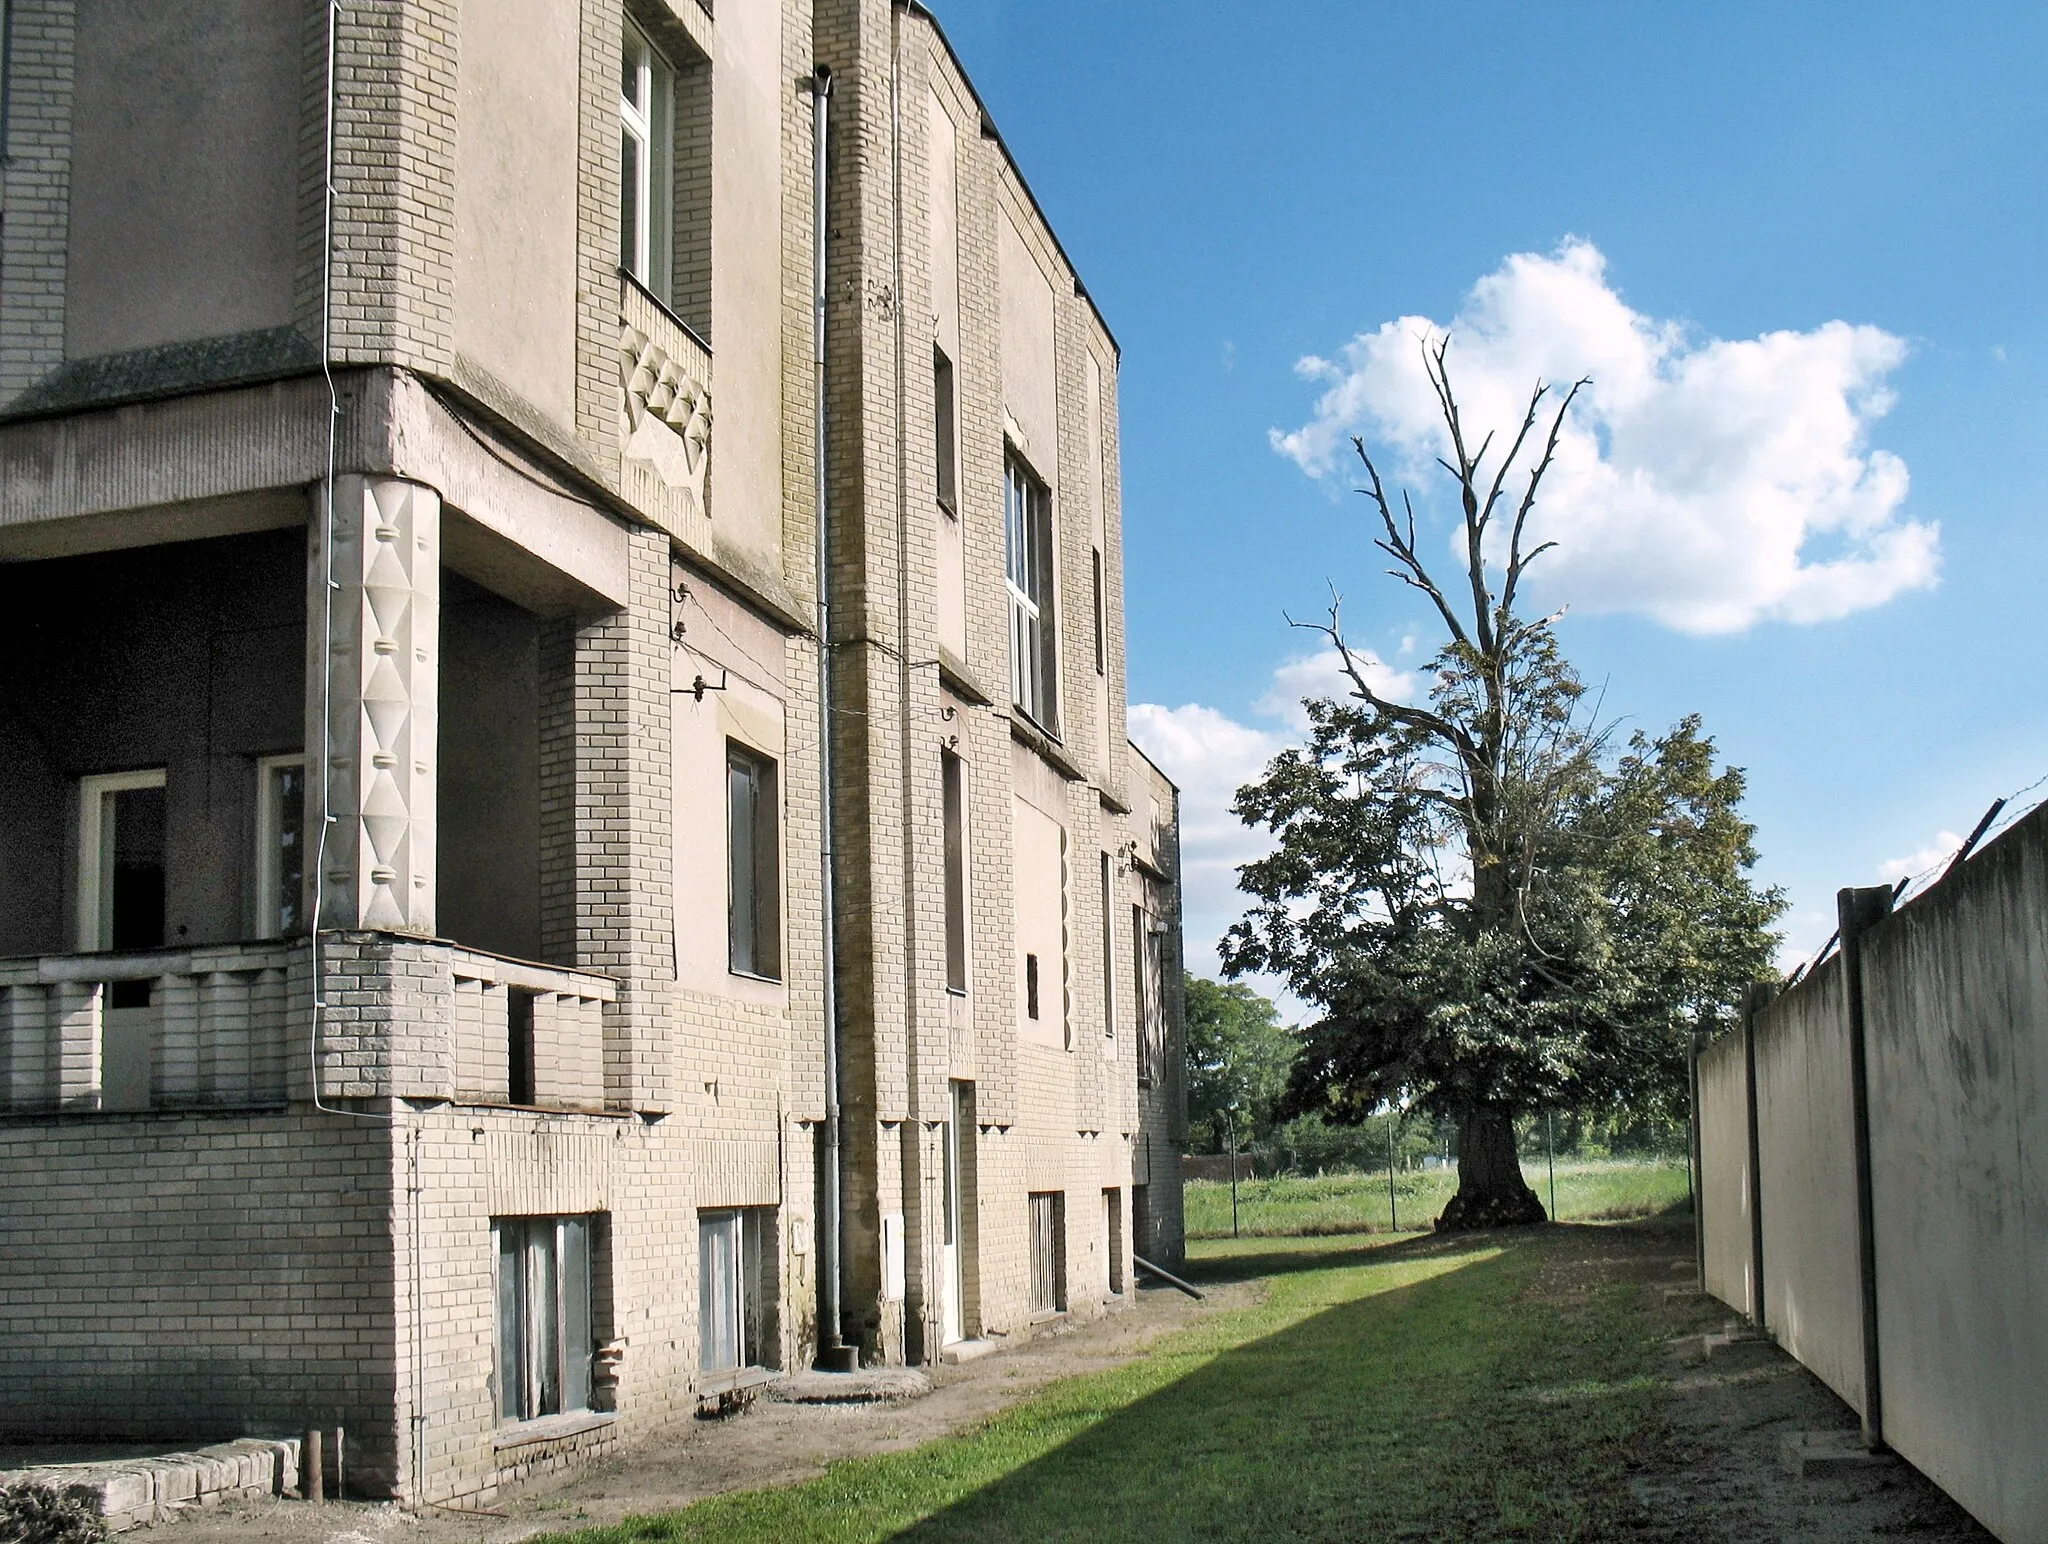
134	1491
968	1350
1811	1454
870	1385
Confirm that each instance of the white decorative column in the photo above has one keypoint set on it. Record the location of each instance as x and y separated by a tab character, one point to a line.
376	602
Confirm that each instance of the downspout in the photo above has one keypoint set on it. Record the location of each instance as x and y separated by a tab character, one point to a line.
833	1354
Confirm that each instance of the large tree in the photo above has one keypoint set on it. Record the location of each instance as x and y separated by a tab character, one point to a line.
1496	909
1238	1058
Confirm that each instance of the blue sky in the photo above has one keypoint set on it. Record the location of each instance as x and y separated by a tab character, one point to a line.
1862	184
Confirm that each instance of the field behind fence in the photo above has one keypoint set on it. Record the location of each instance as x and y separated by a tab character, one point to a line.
1295	1206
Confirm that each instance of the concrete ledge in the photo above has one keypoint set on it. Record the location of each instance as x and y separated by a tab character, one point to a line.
134	1492
968	1350
871	1385
1809	1455
551	1428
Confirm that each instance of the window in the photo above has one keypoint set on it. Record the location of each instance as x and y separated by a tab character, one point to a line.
734	1290
544	1321
1101	622
945	429
121	846
1034	652
646	173
1141	993
1108	947
754	868
519	1059
1031	986
280	846
953	777
1113	1236
1048	1252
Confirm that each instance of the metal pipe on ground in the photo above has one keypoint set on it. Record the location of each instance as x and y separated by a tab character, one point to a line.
1168	1277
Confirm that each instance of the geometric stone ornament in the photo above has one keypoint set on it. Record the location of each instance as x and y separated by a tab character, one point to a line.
665	415
382	665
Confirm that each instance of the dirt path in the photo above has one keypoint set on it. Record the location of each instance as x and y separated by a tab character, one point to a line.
768	1444
1720	1478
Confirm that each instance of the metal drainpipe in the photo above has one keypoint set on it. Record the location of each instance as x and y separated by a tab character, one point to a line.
833	1354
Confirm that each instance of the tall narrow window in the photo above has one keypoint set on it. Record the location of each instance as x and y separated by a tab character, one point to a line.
734	1290
1048	1252
945	430
544	1322
1141	988
646	166
1101	619
953	777
1028	545
1108	947
754	868
280	846
121	855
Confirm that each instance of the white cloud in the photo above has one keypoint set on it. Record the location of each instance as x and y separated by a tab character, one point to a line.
1209	757
1322	675
1709	483
1940	850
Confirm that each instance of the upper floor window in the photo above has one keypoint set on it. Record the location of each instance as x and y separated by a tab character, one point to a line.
280	846
945	436
646	164
1034	649
754	869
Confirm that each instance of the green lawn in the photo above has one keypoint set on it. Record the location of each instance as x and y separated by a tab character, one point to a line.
1587	1191
1449	1388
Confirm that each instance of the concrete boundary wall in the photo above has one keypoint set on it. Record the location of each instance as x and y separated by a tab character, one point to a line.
1953	1010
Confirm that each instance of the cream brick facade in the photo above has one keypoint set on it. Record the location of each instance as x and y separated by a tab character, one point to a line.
512	580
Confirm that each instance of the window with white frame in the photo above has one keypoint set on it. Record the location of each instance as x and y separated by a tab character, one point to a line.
754	864
122	841
280	846
735	1289
1028	548
1048	1216
646	163
545	1343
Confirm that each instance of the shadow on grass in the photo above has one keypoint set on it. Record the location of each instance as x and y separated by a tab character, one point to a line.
1402	1408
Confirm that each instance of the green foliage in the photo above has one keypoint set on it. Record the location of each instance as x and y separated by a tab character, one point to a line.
1313	1205
1238	1056
36	1514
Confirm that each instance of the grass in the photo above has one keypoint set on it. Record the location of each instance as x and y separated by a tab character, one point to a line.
1602	1190
1473	1387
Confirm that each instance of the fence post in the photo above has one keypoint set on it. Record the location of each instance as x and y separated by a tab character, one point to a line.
1859	910
1753	1005
1697	1177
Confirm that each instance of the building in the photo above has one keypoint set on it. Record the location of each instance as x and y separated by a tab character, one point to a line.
433	998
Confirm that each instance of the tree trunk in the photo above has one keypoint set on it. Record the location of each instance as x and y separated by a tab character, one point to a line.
1490	1189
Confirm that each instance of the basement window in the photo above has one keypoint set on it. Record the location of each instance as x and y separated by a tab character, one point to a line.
735	1289
544	1318
1048	1253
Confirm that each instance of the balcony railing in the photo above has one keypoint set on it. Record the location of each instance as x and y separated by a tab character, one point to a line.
166	1029
230	1026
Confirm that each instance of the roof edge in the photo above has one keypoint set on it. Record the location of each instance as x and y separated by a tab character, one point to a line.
923	12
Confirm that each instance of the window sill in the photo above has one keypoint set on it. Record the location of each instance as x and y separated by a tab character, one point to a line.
748	975
957	991
1026	730
736	1380
550	1428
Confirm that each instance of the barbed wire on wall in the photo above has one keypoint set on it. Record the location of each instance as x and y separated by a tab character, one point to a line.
2001	816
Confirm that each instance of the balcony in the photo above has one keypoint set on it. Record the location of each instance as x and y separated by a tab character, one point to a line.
162	1029
230	1027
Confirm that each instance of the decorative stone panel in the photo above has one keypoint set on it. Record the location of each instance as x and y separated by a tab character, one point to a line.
377	602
